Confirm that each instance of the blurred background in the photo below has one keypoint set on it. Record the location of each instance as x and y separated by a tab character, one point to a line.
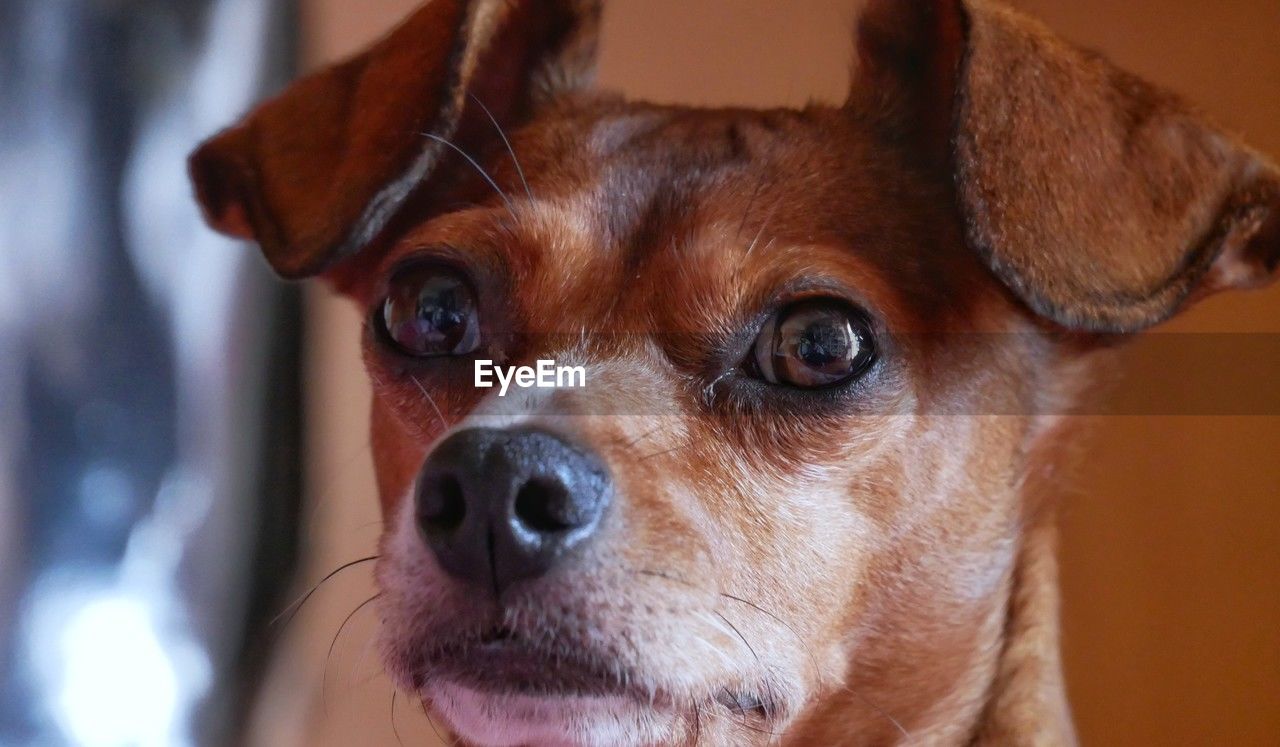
149	403
183	447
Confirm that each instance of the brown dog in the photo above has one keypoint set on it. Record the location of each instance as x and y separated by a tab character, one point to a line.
826	357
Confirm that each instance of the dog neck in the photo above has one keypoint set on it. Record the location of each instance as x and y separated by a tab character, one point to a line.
1012	692
1027	703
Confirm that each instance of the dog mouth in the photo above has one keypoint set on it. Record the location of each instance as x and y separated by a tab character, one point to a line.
503	661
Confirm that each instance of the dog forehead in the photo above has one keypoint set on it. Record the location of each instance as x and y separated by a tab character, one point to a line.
700	195
644	173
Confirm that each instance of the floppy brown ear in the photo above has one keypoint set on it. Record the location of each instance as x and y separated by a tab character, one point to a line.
317	172
1103	202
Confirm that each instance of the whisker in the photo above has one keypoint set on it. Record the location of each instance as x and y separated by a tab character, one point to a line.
640	438
394	729
432	723
659	574
763	226
882	712
324	676
658	453
474	164
519	170
712	649
808	651
743	723
734	628
293	609
369	645
726	659
430	400
814	662
817	671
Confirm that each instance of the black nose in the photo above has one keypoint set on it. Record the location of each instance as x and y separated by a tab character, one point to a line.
497	506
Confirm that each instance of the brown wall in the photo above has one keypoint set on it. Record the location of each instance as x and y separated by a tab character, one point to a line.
1171	546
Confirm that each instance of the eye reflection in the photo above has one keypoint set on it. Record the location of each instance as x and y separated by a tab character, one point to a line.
431	311
814	344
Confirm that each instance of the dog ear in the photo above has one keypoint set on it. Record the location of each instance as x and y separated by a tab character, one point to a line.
1103	202
316	173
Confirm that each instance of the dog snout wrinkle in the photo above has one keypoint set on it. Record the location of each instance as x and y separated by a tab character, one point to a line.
496	506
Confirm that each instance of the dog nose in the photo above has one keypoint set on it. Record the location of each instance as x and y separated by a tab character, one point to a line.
496	506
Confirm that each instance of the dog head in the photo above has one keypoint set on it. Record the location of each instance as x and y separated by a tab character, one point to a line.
821	353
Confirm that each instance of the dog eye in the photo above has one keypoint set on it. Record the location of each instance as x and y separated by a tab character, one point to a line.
431	312
813	344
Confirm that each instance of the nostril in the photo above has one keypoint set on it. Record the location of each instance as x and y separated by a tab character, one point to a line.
443	505
539	506
498	506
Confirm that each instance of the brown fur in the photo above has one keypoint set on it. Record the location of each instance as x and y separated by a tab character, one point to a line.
873	568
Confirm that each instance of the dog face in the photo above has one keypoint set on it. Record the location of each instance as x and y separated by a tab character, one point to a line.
823	352
724	478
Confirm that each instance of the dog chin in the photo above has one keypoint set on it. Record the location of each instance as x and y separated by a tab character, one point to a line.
508	720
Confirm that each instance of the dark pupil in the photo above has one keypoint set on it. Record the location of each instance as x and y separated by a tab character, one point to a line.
823	345
441	314
429	314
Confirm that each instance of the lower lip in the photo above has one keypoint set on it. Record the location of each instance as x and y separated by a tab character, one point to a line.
482	716
512	668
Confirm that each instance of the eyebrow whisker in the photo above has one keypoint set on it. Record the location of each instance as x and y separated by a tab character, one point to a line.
476	165
519	169
763	226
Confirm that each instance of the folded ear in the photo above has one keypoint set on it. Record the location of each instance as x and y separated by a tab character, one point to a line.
317	172
1103	202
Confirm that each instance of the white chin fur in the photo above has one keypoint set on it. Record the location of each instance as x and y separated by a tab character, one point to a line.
495	720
